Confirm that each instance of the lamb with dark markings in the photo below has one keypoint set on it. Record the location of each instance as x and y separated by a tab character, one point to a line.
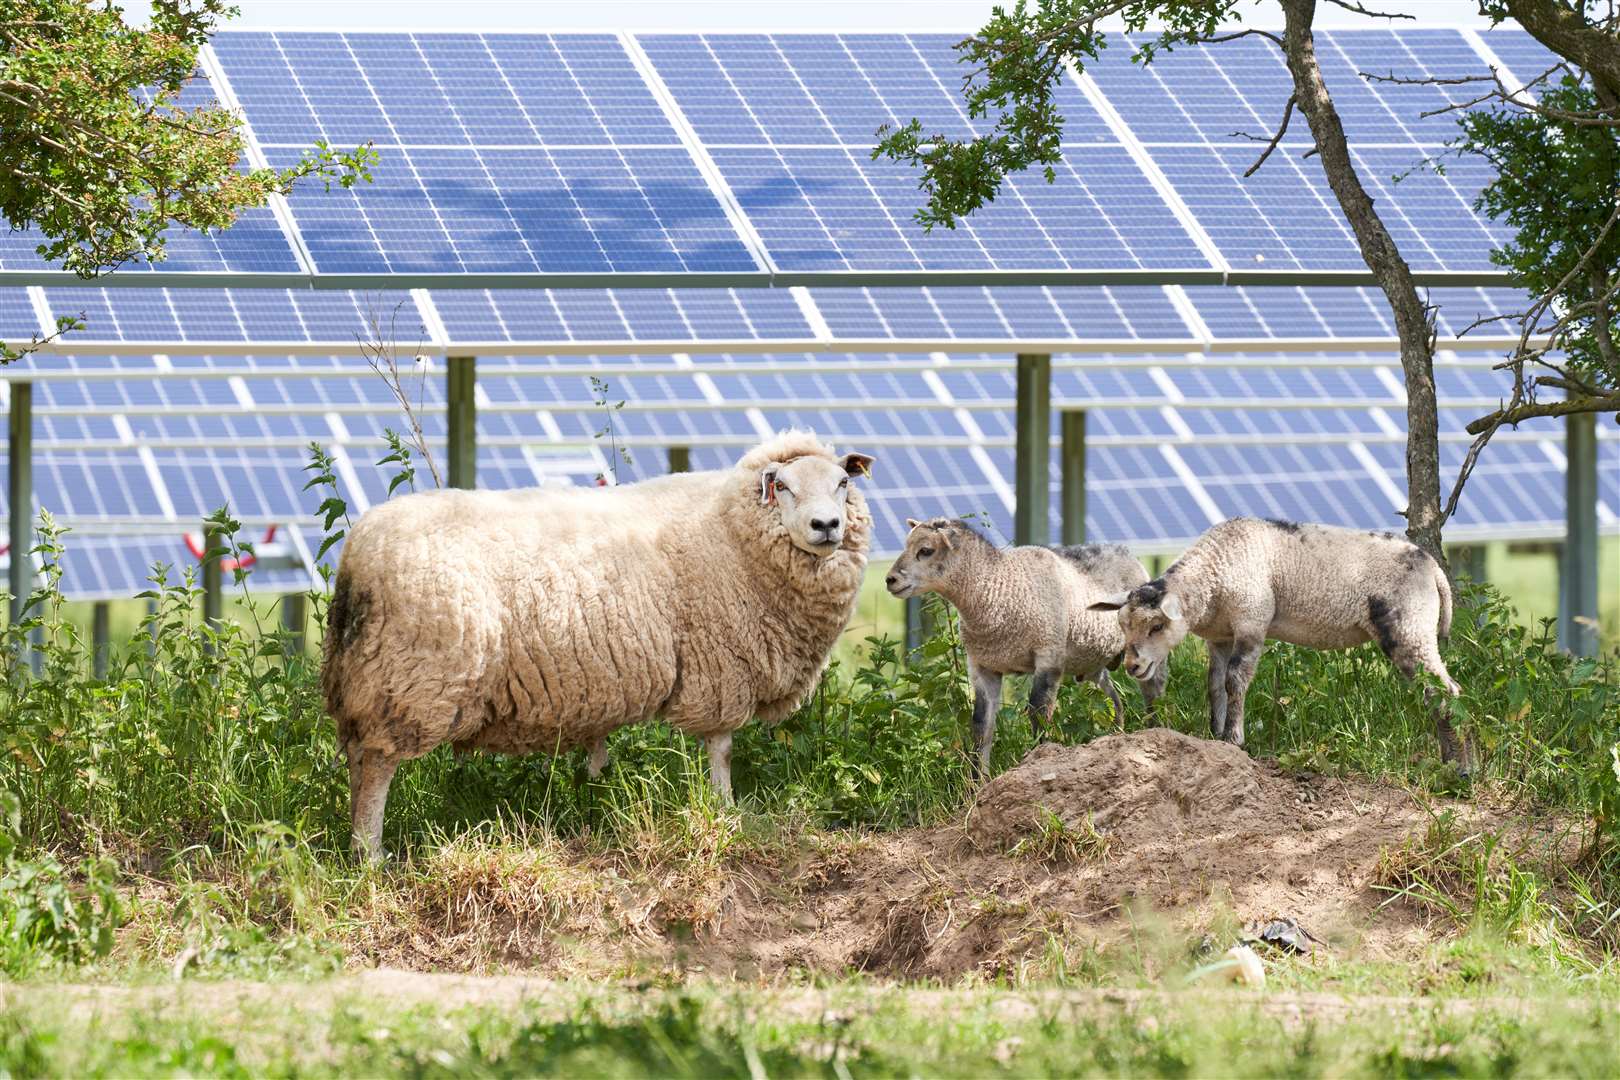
1248	579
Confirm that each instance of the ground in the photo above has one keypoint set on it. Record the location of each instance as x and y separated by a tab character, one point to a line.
1059	927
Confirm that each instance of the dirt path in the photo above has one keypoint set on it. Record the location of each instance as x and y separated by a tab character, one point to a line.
391	991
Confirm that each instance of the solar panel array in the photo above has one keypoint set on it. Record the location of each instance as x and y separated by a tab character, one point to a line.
697	154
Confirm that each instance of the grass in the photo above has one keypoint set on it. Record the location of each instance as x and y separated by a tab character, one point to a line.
853	1030
182	818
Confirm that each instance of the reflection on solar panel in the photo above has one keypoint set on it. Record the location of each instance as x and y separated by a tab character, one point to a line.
689	154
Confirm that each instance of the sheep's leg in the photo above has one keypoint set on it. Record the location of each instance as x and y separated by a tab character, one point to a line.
1153	689
370	773
598	759
719	747
1220	653
1240	665
1453	747
1108	687
986	702
1043	701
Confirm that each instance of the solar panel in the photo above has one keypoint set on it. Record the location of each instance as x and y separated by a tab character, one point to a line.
472	180
790	121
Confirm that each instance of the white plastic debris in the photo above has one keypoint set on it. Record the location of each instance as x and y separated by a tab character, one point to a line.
1248	969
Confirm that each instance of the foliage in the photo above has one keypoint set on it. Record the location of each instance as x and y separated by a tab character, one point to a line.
600	396
206	749
1018	60
44	917
99	151
1557	184
842	1031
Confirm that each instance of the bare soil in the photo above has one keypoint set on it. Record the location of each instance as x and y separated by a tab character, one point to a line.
1175	835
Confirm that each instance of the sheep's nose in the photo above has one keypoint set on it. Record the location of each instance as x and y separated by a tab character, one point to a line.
827	525
890	580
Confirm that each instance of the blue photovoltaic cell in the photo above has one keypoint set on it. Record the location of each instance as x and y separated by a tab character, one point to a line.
1056	313
1132	493
18	322
832	208
1526	58
790	121
1295	482
1188	106
621	315
500	153
167	316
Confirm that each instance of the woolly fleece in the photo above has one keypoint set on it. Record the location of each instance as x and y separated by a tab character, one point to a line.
520	621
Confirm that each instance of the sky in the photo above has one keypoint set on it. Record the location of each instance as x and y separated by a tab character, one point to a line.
918	16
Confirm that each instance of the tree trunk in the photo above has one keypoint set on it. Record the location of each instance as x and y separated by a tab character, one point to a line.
1423	516
1565	30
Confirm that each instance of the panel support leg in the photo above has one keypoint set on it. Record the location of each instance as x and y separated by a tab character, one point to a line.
20	484
461	398
101	638
1578	570
1074	477
213	580
680	459
1031	517
294	619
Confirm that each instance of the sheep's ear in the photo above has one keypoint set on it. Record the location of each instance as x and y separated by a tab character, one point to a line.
767	485
1171	606
1111	603
912	523
857	464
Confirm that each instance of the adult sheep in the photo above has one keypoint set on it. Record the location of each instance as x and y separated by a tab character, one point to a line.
541	620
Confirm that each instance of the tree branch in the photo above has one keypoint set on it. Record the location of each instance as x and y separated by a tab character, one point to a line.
1529	410
1282	129
1349	5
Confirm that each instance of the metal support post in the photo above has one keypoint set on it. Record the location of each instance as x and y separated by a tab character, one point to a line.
1031	517
463	421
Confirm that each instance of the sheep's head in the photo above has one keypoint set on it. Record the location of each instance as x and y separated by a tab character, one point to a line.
1153	622
932	547
811	494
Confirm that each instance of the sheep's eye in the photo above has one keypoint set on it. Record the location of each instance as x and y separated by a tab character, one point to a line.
923	553
844	483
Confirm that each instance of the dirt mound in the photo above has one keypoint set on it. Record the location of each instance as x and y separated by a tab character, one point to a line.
1144	789
1079	844
1130	842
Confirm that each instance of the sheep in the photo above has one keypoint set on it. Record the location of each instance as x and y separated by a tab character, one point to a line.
541	620
1248	579
1024	610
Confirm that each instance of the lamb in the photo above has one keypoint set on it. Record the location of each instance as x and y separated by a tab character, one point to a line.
1024	610
541	620
1246	580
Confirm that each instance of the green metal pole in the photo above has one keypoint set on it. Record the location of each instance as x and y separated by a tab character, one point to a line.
101	637
20	479
1578	572
20	482
463	420
1470	559
1074	477
1032	523
213	578
680	459
294	619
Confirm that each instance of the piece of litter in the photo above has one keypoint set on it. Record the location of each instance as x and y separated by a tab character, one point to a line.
1284	934
1250	971
1048	777
1239	965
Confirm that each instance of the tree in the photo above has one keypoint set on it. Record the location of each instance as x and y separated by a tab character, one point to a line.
1020	57
97	152
1554	145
